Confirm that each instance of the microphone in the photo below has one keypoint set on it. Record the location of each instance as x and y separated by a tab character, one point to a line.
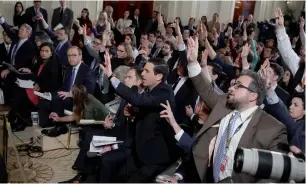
90	122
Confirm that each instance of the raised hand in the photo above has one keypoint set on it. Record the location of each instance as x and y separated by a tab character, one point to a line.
167	113
302	23
279	18
107	69
192	50
108	122
245	51
204	57
189	111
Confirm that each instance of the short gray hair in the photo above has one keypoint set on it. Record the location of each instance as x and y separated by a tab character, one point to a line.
257	85
43	37
121	71
28	27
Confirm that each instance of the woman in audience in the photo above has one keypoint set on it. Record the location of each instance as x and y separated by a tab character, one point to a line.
45	75
286	80
83	20
18	18
131	39
124	22
85	106
101	25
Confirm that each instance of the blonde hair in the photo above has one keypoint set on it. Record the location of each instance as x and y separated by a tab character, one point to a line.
129	53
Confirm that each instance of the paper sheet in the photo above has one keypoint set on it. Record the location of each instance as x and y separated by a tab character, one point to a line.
46	96
27	84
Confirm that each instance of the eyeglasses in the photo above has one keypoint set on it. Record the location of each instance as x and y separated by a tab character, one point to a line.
72	55
120	50
238	85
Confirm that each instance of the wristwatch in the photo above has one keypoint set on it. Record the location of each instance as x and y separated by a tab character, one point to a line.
111	76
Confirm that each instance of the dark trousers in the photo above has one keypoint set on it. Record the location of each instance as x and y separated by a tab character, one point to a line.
57	104
8	86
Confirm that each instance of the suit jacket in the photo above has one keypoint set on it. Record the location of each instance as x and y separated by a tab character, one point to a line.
140	22
30	13
151	26
211	25
154	138
282	94
4	54
62	52
262	132
26	51
84	76
67	18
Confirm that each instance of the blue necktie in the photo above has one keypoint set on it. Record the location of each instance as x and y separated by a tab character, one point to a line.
72	79
222	145
14	53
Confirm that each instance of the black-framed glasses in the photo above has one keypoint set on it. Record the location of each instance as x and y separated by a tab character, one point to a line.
238	85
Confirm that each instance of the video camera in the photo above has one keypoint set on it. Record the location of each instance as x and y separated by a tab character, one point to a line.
270	165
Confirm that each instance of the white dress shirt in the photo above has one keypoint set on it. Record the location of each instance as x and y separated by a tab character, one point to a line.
123	23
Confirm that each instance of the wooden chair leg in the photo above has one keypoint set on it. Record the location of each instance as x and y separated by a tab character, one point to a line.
69	136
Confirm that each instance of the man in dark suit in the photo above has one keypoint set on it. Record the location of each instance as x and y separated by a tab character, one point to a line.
152	23
154	149
111	162
77	73
32	17
5	48
237	112
60	40
137	23
21	54
238	23
62	15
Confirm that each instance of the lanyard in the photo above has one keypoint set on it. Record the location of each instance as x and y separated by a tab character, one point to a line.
229	137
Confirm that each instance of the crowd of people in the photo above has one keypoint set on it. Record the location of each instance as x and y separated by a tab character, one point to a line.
193	93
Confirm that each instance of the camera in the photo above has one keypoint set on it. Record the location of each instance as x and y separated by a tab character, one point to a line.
268	164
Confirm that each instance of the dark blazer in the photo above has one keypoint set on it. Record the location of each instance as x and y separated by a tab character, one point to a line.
140	22
262	132
30	13
154	138
151	26
84	76
4	54
18	20
295	129
26	51
186	95
66	21
282	94
62	52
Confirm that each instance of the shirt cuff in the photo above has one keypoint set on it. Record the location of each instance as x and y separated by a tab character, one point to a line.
179	135
2	20
178	175
272	97
191	117
115	83
181	47
194	69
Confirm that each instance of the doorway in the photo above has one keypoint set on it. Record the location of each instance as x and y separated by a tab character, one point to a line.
245	8
145	7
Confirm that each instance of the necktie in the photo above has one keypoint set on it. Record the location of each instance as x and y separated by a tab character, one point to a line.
72	78
61	15
176	83
222	145
14	53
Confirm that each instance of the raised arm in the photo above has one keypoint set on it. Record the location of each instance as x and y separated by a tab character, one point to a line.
47	29
161	25
6	28
302	32
283	44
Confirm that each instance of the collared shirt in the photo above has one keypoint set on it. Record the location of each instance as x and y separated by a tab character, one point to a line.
76	68
245	119
7	47
180	84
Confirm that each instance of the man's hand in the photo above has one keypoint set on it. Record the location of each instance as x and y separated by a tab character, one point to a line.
189	111
279	18
84	29
4	73
264	73
106	149
54	116
36	87
25	70
245	51
108	122
174	179
143	53
107	69
192	50
127	110
167	113
64	94
302	23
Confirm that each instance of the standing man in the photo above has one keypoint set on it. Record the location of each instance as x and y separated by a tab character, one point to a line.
62	15
137	24
32	15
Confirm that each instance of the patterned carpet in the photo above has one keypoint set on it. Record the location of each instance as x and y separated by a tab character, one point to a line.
55	164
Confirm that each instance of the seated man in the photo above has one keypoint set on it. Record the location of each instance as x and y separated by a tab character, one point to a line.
77	73
115	127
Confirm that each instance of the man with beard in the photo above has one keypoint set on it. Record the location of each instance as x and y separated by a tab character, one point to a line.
236	120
